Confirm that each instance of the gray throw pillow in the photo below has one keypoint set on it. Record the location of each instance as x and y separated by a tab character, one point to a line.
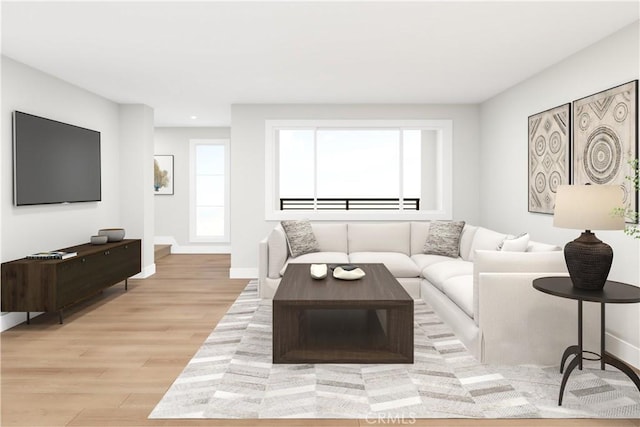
444	238
300	237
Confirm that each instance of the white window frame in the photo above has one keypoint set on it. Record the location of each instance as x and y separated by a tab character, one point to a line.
444	174
193	237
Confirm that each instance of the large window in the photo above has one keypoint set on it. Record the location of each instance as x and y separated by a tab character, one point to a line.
358	169
209	204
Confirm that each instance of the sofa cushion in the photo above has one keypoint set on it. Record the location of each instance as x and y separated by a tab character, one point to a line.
515	244
317	258
400	265
300	237
438	273
387	237
485	239
424	260
541	247
514	262
419	233
466	240
278	251
460	290
444	238
331	237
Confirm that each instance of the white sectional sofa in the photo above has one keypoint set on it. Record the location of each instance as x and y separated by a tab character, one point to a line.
484	294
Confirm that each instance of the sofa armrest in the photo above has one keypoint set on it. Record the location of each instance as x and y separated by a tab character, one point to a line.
521	325
485	261
263	261
278	252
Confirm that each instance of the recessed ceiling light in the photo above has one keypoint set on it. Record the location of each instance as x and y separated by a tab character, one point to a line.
194	117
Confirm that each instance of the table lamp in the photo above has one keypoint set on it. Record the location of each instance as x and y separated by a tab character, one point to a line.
588	207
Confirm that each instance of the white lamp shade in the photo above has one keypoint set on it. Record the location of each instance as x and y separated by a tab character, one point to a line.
588	207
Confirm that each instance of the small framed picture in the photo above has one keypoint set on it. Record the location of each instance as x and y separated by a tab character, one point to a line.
163	175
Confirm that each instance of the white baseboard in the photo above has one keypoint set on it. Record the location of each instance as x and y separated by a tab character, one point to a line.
147	271
9	320
190	249
622	350
243	273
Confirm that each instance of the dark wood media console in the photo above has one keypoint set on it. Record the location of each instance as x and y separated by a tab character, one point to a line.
30	285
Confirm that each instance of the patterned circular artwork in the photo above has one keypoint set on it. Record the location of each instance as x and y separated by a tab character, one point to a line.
555	142
540	182
605	135
625	194
602	155
584	121
548	157
540	145
555	179
620	112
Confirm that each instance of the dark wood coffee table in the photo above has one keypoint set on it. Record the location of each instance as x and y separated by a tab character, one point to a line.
336	321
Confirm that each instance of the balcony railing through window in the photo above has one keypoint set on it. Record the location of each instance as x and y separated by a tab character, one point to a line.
347	204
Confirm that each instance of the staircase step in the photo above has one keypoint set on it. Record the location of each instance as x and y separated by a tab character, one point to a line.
161	251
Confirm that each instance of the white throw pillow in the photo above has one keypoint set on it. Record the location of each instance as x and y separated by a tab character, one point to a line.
515	244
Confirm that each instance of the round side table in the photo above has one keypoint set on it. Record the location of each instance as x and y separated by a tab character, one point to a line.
612	293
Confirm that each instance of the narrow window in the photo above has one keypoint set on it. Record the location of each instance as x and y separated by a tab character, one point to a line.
209	191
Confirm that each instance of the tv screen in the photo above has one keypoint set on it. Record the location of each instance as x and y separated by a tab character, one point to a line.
54	162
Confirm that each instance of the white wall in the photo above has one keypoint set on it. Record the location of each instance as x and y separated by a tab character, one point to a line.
126	152
136	179
2	157
248	225
608	63
27	229
172	212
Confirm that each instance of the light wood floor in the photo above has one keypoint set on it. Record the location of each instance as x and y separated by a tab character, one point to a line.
116	355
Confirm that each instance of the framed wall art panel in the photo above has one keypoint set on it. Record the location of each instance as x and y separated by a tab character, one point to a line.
605	139
163	174
549	156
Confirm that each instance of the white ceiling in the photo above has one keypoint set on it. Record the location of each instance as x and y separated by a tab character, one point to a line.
198	58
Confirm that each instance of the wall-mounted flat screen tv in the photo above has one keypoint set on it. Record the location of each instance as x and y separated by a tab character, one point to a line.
54	162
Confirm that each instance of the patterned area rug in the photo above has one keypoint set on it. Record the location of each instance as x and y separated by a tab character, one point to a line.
232	376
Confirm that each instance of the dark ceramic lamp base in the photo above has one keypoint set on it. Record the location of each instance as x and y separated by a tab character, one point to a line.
588	261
